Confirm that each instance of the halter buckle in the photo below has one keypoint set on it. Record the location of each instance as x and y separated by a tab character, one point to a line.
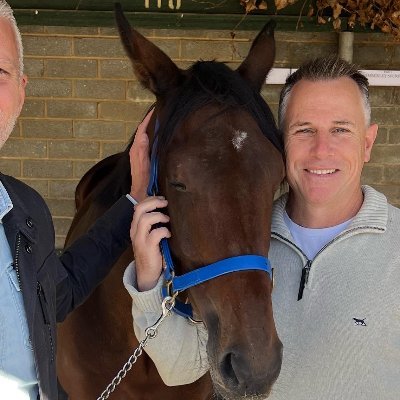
168	286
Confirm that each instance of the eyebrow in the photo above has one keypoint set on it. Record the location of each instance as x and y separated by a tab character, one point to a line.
298	124
306	123
6	62
344	122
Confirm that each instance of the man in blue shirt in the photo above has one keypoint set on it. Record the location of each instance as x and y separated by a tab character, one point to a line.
38	288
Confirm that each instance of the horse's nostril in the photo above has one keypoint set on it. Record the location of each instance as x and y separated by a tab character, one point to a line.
228	369
242	375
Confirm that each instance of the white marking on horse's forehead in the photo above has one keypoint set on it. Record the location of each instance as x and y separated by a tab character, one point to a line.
238	139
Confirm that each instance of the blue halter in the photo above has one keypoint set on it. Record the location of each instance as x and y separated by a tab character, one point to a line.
176	284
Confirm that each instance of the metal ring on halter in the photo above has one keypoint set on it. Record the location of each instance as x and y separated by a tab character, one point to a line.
190	318
168	287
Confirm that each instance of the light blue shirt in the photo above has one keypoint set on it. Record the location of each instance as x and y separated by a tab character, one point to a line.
18	379
312	240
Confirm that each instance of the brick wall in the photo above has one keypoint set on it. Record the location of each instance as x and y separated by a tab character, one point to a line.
83	101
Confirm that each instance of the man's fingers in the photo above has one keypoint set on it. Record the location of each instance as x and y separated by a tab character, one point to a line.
139	160
156	235
147	221
147	206
143	125
141	136
139	154
150	204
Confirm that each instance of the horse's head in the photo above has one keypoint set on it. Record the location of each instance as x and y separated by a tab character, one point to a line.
220	163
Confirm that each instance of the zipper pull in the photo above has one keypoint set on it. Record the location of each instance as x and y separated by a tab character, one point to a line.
304	279
42	301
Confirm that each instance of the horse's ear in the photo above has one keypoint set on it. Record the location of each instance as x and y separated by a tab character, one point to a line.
261	57
153	68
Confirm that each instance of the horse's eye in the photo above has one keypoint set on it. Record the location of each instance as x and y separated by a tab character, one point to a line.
178	186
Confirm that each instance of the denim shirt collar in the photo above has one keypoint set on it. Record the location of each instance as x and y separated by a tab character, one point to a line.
5	202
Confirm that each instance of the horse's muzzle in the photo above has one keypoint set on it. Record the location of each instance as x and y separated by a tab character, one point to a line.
238	376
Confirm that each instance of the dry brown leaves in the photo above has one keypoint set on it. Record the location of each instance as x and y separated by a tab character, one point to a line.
251	5
279	4
381	14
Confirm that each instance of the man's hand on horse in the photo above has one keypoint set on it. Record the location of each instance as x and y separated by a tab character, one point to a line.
140	162
146	239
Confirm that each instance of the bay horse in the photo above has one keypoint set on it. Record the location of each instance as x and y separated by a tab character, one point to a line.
220	163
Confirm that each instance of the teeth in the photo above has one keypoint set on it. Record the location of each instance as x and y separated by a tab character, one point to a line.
322	171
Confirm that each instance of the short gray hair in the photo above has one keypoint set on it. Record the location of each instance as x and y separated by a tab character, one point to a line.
6	12
324	68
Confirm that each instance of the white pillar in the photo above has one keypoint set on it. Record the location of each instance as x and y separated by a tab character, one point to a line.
346	40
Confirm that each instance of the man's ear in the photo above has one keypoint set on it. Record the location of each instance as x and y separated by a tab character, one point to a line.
23	83
370	137
24	80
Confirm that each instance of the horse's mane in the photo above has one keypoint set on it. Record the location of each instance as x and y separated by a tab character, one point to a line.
209	82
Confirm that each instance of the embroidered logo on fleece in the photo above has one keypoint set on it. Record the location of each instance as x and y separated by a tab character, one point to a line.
359	322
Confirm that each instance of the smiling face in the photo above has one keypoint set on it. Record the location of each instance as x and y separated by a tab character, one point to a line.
327	142
12	84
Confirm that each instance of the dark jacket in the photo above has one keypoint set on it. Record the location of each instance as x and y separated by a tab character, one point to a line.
53	286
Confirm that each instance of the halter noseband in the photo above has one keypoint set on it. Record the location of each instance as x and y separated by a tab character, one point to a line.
176	284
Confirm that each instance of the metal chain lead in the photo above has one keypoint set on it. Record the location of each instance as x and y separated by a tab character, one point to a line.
151	332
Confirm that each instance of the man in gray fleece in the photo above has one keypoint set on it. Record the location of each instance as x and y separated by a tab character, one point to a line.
335	248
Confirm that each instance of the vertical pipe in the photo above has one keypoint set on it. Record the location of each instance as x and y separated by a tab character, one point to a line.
346	40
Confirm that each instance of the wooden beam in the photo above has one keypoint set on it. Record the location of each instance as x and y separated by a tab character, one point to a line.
167	14
158	20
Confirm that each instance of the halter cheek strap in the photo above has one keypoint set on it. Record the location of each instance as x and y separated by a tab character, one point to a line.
152	188
177	284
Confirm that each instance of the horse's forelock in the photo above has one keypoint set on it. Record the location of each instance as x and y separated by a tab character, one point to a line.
213	82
